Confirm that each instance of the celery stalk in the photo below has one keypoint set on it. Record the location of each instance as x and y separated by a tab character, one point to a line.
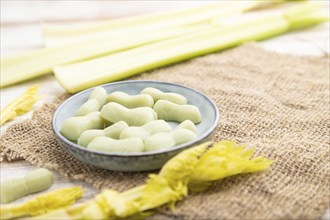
43	203
57	35
22	67
307	19
25	66
78	76
20	105
205	163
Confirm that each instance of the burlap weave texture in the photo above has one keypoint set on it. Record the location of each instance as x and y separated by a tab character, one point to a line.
277	103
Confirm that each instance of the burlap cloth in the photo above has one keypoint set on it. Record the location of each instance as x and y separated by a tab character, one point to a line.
278	103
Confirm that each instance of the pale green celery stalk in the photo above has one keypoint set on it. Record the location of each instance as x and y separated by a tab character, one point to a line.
78	76
134	193
308	19
22	67
306	15
56	35
39	62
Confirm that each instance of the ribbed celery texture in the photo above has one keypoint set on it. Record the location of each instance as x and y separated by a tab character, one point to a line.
78	76
122	34
40	62
200	165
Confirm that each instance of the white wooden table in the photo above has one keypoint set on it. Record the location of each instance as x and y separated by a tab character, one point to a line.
21	31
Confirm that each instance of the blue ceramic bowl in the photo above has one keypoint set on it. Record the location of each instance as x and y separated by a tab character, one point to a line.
137	161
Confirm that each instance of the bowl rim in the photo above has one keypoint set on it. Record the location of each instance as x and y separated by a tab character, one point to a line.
178	147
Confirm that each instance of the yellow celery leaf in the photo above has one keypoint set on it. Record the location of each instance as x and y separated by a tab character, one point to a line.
73	212
198	186
76	210
105	203
101	207
258	164
43	203
121	208
134	193
181	167
171	184
158	192
55	199
109	204
68	213
20	105
226	159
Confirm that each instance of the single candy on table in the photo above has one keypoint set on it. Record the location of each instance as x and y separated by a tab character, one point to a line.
34	181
